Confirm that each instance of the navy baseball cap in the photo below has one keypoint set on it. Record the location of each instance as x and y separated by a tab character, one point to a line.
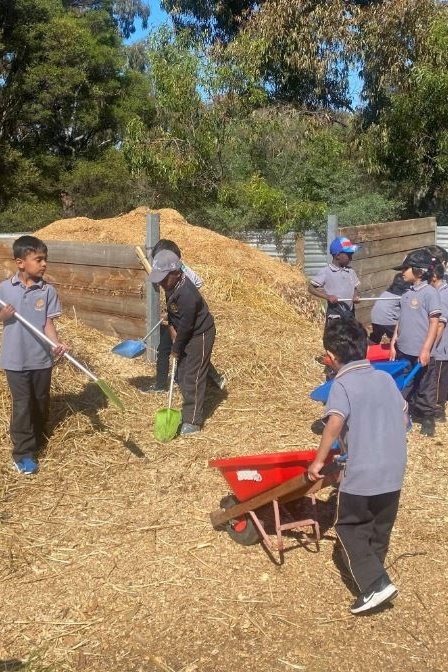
163	263
342	244
422	259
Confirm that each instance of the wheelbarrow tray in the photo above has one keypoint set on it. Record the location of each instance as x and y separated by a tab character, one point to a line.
394	368
249	475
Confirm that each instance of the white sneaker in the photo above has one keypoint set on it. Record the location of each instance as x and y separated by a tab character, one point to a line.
373	598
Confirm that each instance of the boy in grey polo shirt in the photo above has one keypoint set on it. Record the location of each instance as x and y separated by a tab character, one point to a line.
368	415
415	335
26	359
384	314
440	349
337	281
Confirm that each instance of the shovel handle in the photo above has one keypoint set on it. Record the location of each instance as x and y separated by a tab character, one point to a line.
44	337
141	255
152	330
172	374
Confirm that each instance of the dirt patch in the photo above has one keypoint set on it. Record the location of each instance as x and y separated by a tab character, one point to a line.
108	560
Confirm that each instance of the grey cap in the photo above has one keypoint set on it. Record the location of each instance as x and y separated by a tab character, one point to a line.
163	263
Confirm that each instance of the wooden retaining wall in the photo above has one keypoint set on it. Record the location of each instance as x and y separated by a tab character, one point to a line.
383	247
103	285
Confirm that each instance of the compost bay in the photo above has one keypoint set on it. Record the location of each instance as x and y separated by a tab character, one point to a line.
108	560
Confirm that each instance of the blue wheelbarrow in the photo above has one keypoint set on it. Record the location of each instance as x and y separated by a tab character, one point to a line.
395	369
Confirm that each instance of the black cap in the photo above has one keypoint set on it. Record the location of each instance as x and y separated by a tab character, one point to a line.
417	259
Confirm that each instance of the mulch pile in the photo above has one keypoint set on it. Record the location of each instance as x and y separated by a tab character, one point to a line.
108	560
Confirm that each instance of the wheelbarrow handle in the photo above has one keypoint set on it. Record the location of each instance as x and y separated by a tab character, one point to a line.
416	368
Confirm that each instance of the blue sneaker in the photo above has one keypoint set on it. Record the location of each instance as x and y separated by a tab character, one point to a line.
26	466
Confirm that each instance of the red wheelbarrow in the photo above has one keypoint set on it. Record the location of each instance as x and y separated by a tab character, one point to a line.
276	478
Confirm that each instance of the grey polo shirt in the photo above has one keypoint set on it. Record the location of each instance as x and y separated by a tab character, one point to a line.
417	305
374	432
22	350
440	351
386	312
341	282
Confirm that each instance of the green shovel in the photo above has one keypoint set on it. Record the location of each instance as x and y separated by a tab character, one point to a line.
110	394
167	420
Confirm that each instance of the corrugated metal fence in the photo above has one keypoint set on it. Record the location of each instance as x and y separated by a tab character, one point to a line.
280	247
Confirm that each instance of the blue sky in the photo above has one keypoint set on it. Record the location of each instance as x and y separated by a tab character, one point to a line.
156	17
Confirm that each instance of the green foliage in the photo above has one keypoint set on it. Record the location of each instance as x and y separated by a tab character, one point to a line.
101	188
28	215
409	144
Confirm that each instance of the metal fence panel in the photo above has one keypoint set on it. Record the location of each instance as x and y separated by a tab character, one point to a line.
315	252
280	247
442	236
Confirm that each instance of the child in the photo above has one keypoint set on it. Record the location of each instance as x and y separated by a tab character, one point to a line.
415	334
367	414
27	360
440	349
164	348
384	314
193	331
337	281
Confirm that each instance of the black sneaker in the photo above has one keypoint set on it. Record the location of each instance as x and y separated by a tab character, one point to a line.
381	591
155	388
428	427
440	415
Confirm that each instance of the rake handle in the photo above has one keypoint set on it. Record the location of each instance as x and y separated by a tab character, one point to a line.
44	337
143	259
172	374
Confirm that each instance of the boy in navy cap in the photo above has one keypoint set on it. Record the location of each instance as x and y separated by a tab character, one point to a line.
337	281
193	334
415	335
368	416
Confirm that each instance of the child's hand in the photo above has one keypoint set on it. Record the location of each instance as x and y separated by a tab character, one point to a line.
392	352
164	318
60	349
331	298
7	312
424	357
314	470
355	298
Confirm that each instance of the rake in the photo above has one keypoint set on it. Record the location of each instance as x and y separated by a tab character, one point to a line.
104	387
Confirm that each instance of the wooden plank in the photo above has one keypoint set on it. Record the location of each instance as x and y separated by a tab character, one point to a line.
102	302
383	230
125	280
375	264
112	325
372	281
391	245
90	254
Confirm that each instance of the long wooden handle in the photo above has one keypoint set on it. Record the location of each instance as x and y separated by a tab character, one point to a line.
301	484
145	263
44	337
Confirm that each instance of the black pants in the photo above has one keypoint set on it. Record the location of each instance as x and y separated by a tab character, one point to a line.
363	525
379	330
163	360
192	375
421	392
30	392
441	369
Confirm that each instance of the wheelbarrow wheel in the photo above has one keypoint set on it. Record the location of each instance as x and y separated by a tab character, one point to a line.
241	529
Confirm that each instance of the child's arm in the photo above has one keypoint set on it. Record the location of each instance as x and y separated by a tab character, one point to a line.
393	340
425	352
322	294
331	432
440	327
50	331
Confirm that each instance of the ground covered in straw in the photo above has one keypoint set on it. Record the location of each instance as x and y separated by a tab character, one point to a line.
108	560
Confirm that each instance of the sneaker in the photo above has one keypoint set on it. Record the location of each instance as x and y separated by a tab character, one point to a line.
221	382
156	389
428	427
188	428
26	466
440	415
380	592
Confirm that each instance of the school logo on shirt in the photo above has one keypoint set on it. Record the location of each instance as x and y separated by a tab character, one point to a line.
415	303
39	304
173	308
